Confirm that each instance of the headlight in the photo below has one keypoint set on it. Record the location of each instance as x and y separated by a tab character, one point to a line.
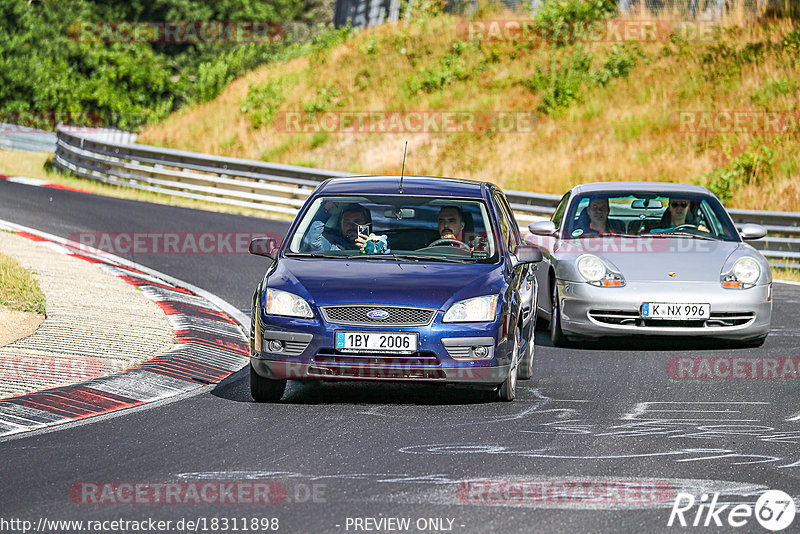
472	310
591	267
285	303
597	273
745	274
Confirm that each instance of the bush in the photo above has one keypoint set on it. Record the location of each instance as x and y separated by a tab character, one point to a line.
753	166
46	66
619	63
262	102
575	10
451	68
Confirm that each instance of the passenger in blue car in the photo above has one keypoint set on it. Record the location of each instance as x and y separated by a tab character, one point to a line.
319	238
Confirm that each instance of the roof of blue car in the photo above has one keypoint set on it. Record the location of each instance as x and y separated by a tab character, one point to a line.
412	185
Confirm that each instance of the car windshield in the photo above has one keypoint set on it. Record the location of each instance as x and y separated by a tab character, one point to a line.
648	214
398	226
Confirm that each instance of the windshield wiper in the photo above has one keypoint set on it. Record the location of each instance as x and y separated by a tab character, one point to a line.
605	234
321	255
687	234
438	258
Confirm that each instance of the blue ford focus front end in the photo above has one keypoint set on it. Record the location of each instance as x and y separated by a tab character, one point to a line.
430	303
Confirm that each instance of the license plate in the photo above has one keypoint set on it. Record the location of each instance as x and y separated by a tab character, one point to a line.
675	311
397	342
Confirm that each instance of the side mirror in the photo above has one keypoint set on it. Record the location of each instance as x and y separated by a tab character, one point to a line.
528	253
542	228
263	246
752	231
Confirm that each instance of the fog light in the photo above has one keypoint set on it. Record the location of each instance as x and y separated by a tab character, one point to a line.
480	352
275	346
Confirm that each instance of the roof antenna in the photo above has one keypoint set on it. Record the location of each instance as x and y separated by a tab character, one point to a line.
403	170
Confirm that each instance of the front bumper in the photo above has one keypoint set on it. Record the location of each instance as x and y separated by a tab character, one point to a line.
444	353
615	311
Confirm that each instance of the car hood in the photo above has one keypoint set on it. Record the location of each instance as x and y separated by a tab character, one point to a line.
326	282
651	259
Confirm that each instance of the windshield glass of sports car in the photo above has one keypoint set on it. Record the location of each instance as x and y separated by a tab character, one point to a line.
646	214
396	225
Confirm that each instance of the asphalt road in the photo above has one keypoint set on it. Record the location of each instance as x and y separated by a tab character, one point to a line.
601	440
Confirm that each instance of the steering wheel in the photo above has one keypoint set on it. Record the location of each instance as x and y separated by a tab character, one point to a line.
450	241
682	227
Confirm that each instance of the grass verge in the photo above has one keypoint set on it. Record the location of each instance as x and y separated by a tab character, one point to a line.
792	275
18	289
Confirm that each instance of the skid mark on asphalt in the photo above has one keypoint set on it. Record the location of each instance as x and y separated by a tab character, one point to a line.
738	426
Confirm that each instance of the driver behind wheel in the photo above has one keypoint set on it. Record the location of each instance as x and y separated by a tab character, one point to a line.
679	213
451	223
451	227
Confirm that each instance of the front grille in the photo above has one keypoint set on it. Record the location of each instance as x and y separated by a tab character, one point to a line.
396	315
730	318
629	318
380	366
614	317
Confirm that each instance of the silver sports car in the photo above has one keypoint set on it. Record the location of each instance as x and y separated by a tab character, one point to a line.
624	258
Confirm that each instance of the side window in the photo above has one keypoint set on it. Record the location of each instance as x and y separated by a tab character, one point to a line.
507	230
558	215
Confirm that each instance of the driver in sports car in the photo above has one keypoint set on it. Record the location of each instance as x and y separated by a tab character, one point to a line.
679	214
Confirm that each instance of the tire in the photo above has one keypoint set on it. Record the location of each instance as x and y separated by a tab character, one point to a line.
265	389
525	369
557	336
508	389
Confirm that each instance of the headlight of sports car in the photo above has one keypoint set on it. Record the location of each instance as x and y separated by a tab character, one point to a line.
285	303
597	273
745	274
472	310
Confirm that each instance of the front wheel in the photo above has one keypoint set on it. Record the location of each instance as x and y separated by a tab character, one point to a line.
265	389
508	389
556	334
525	371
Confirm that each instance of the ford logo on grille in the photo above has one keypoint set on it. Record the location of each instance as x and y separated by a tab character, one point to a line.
378	314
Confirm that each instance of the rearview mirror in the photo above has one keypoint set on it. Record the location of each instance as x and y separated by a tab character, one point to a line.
751	231
263	246
646	204
399	213
542	228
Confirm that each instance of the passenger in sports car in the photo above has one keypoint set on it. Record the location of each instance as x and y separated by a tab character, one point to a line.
319	238
595	218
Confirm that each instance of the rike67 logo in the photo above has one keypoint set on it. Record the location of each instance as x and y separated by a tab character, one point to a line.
774	510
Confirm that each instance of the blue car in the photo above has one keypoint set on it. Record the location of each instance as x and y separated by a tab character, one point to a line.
387	279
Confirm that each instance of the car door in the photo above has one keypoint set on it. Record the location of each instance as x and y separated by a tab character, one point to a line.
519	281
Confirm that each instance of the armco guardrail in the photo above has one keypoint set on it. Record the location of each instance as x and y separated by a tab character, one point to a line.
277	188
